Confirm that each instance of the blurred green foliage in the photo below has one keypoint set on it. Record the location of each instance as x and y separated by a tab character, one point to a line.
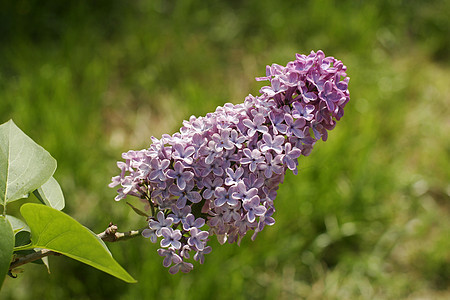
366	218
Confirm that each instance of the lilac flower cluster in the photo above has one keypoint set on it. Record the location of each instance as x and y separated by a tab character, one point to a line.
220	173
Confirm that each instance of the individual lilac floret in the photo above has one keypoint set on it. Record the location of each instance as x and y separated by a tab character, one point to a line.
160	224
170	256
272	165
256	125
197	238
223	196
276	87
183	154
171	238
290	157
179	215
200	255
303	111
182	266
253	209
190	222
234	177
221	172
244	193
181	176
150	233
274	143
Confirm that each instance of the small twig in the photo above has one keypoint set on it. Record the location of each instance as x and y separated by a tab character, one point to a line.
30	258
109	235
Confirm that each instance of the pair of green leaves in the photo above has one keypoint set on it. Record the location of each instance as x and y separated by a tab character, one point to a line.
26	167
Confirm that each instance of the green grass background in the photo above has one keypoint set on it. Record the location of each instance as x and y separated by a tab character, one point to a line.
368	216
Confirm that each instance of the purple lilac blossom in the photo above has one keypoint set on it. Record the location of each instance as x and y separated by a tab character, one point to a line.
171	238
221	172
160	224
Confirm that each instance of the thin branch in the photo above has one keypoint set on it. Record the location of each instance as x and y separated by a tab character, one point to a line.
30	258
109	235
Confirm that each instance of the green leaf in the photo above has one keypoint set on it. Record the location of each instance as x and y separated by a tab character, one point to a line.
45	262
99	240
137	210
17	224
24	165
54	230
22	238
50	194
6	247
